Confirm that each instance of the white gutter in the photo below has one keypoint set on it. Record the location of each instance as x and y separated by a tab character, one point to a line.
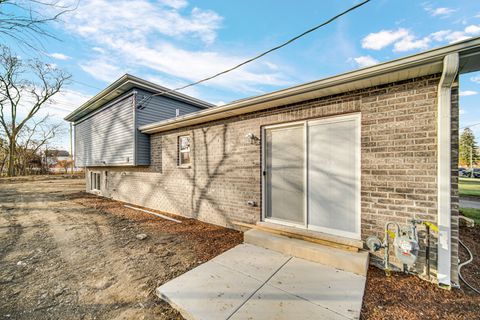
450	71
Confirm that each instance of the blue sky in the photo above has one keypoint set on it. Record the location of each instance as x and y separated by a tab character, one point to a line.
173	42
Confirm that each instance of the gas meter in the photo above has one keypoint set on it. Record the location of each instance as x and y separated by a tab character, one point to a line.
406	249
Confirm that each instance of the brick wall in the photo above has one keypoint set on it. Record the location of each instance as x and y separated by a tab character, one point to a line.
398	152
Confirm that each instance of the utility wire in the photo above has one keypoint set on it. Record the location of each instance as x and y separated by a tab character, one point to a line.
85	84
257	56
473	125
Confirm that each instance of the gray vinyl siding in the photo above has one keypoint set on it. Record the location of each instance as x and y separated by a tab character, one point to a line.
106	137
158	108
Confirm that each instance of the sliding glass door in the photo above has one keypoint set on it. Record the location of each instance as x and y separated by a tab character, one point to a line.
334	175
312	175
285	173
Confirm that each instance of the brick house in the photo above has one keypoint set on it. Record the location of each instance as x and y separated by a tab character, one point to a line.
338	157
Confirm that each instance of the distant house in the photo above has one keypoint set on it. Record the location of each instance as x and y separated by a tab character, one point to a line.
55	160
338	157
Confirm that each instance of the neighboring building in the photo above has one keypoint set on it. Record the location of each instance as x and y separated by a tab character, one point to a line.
339	156
53	160
51	156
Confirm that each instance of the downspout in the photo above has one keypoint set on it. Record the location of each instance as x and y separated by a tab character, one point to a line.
450	71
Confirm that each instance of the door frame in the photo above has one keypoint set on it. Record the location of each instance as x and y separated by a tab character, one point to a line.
329	119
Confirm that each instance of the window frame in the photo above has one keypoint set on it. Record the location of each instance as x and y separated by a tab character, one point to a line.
95	181
180	151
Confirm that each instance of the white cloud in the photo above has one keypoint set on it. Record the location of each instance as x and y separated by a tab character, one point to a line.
102	69
475	79
98	49
176	4
173	84
462	111
59	56
365	61
442	11
56	107
402	39
405	40
153	38
65	102
409	43
473	29
440	35
455	36
94	18
383	38
468	93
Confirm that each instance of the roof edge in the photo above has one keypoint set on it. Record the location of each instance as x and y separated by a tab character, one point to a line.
431	57
135	82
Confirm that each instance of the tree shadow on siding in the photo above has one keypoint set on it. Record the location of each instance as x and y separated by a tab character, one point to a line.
203	147
197	200
102	128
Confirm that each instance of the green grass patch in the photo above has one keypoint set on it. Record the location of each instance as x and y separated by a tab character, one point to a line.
471	213
469	187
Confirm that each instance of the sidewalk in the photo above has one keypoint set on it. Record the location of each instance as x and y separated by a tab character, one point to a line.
469	203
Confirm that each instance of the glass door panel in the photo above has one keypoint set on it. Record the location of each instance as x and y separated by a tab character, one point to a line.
285	174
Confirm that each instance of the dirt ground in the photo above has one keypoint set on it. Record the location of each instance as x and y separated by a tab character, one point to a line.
68	255
65	254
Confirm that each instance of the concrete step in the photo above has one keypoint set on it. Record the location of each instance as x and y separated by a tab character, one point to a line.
356	262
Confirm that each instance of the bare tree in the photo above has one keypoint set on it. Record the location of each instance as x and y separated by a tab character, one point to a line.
65	164
3	151
31	142
26	85
26	21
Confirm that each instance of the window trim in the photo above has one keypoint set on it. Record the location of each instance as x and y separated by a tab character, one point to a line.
180	151
95	181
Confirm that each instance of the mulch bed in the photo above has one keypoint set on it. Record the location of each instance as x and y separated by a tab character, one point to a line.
209	240
399	296
408	297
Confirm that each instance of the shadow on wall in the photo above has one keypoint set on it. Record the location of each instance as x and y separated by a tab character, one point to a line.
186	191
116	124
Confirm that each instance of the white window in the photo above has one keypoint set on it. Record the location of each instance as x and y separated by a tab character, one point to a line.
95	181
184	151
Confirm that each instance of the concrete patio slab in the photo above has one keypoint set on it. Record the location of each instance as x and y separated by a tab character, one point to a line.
336	290
250	282
272	303
210	291
256	262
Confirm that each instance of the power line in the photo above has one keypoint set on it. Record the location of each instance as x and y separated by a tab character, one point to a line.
472	125
257	56
85	84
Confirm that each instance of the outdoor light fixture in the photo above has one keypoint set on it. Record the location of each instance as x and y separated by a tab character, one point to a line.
251	203
251	138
